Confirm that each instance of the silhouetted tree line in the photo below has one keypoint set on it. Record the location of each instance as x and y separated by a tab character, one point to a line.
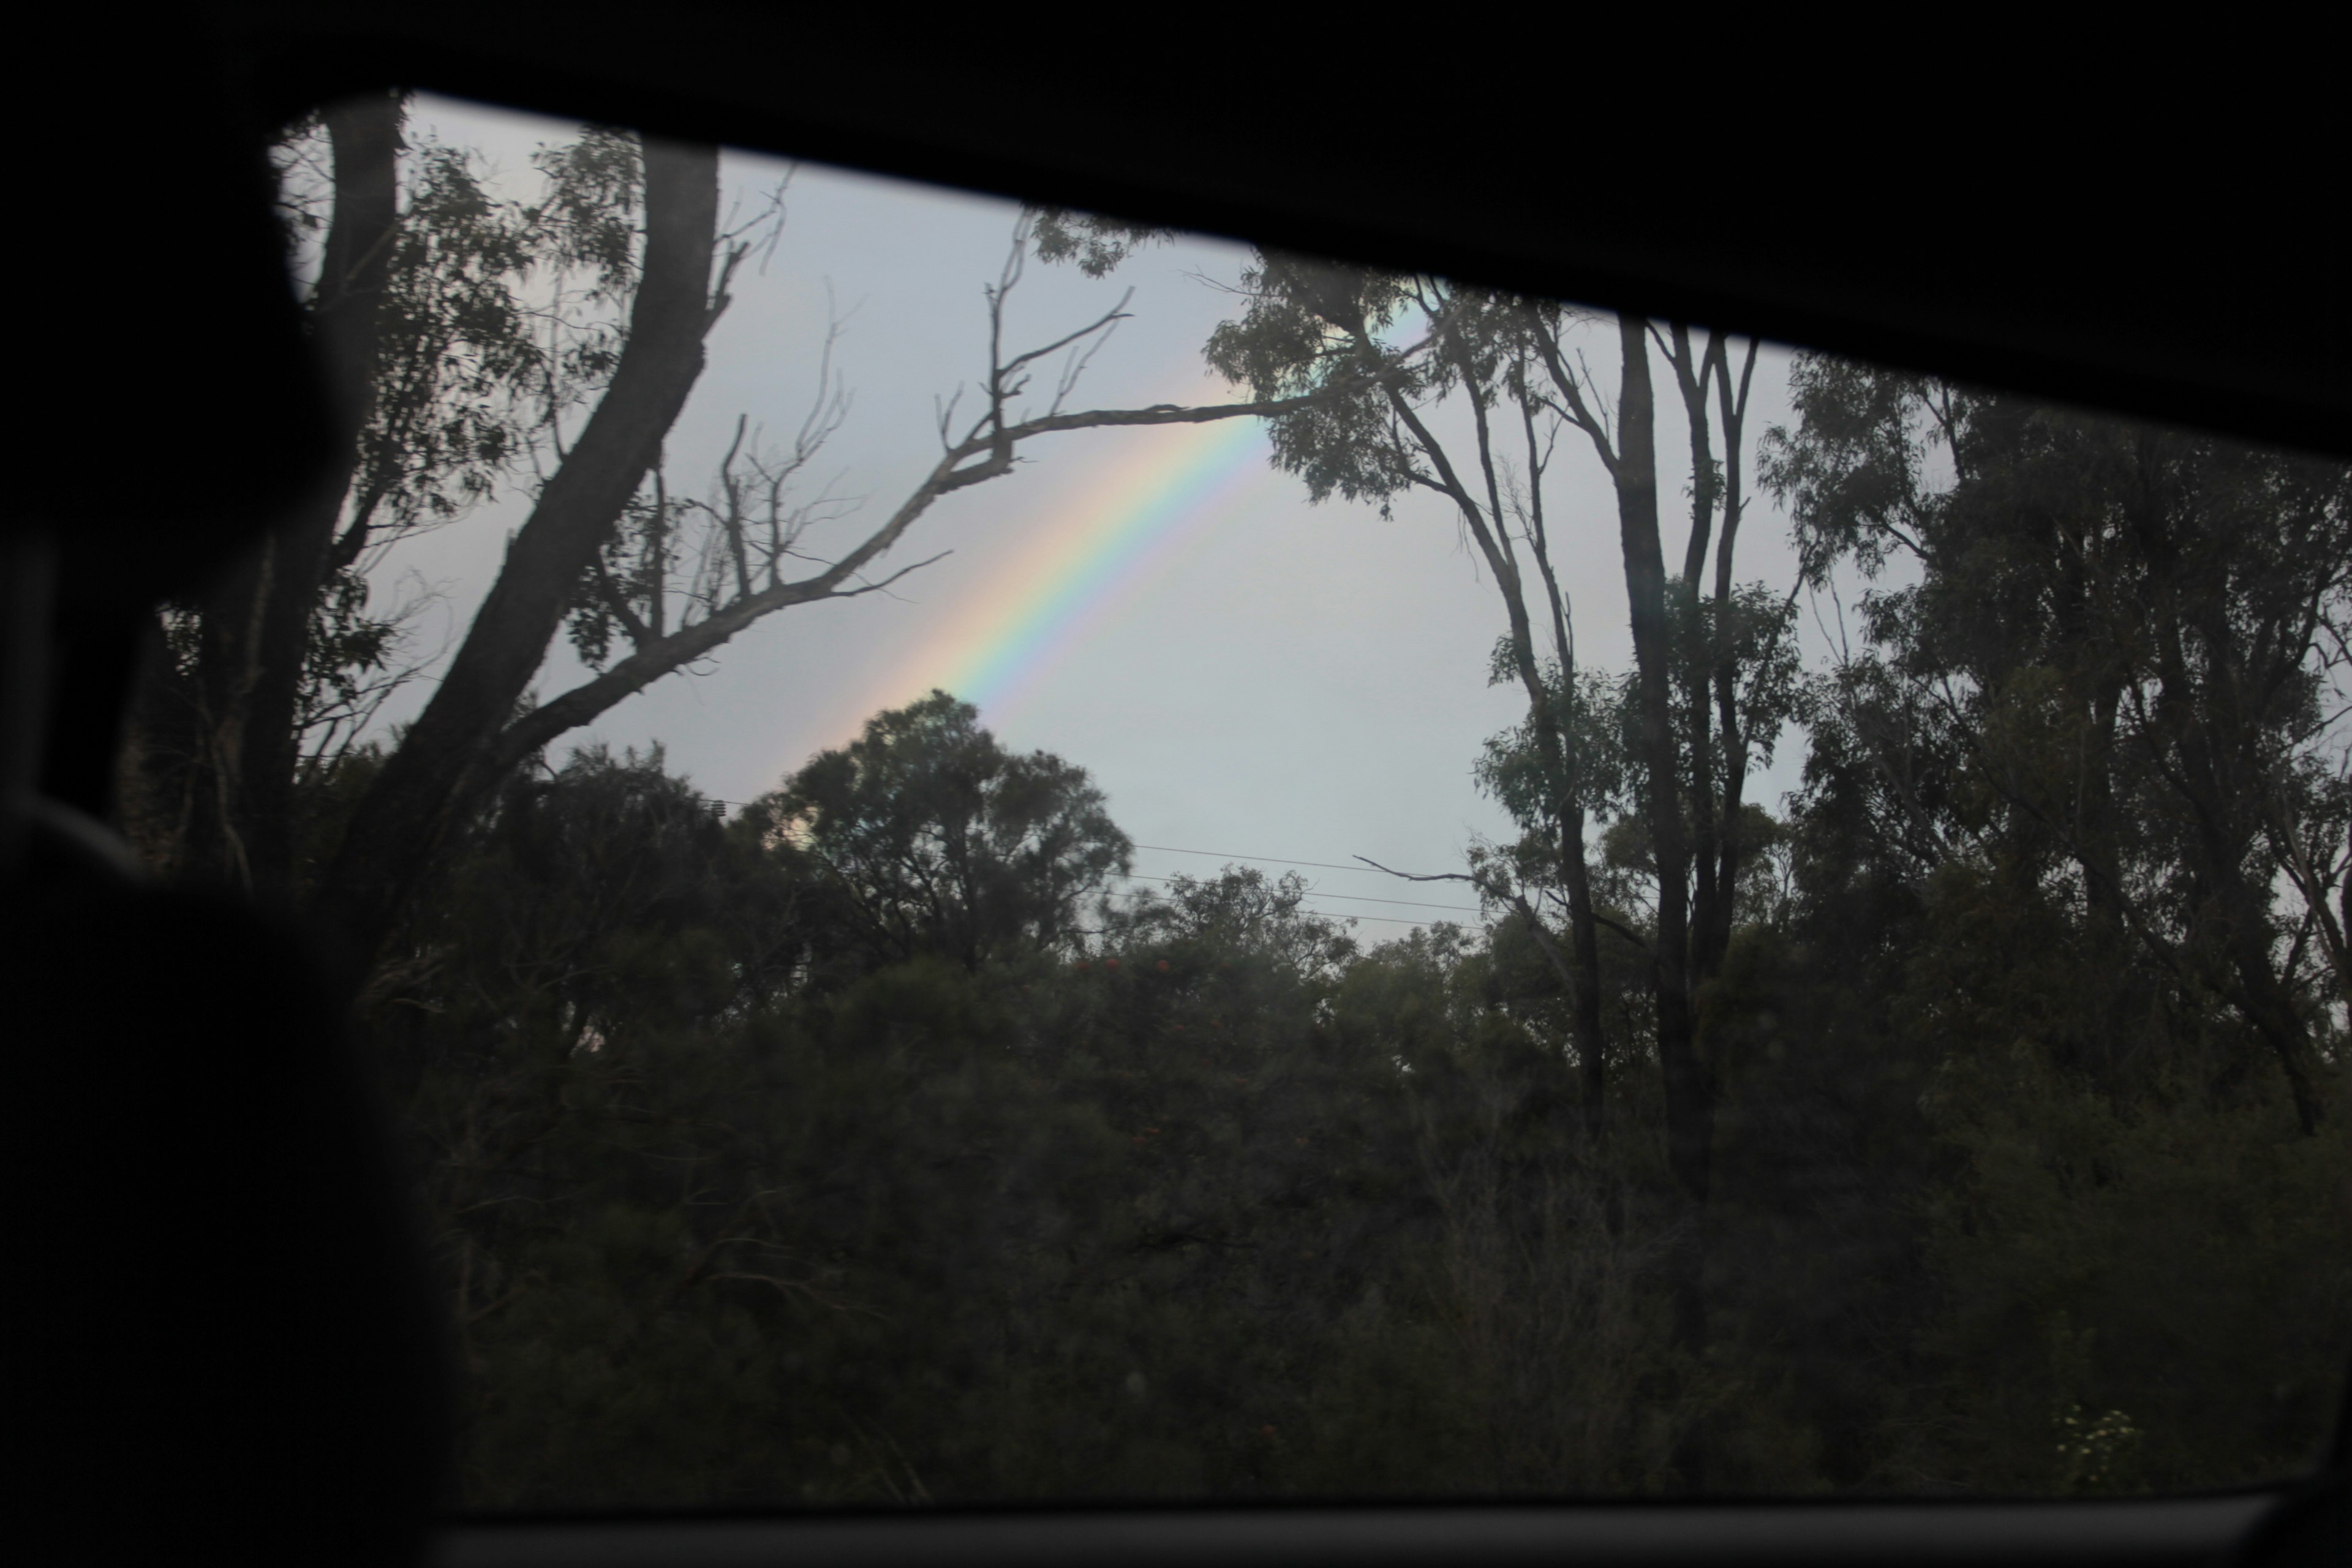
851	1148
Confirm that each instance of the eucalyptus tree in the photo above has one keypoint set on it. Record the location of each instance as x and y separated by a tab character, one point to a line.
546	347
1713	678
928	838
1401	345
459	330
2118	680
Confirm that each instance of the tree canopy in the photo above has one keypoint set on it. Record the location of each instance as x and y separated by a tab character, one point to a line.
929	838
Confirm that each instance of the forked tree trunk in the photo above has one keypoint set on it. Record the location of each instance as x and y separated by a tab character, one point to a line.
408	808
1689	1087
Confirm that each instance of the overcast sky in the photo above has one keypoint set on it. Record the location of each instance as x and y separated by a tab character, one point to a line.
1275	679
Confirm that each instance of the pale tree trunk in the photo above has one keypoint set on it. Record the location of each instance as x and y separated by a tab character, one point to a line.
1725	672
1689	1087
1576	875
1583	973
1581	966
1627	446
1714	728
1710	911
1688	1083
408	808
1579	969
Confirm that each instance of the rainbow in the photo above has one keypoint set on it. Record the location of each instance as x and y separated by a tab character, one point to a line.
1098	551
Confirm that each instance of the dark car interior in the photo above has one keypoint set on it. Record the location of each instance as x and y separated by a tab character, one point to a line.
186	1386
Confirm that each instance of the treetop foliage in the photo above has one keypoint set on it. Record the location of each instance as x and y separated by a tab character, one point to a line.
938	841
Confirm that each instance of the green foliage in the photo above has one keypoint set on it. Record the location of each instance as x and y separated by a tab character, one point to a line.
499	316
487	336
2100	1272
2044	813
2115	683
1593	712
1164	1213
925	836
1097	245
856	1149
1317	327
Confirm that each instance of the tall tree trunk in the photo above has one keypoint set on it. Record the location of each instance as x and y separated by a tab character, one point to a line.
1584	936
256	620
347	317
1582	974
1724	666
1555	747
1710	919
1557	750
427	779
1689	1087
1584	942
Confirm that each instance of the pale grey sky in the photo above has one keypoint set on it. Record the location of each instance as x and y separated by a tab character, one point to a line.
1279	681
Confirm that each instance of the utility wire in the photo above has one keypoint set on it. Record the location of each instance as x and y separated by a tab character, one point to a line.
1267	860
1352	915
1351	897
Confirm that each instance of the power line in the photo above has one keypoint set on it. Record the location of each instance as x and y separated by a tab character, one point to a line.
1383	920
1269	860
1351	897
